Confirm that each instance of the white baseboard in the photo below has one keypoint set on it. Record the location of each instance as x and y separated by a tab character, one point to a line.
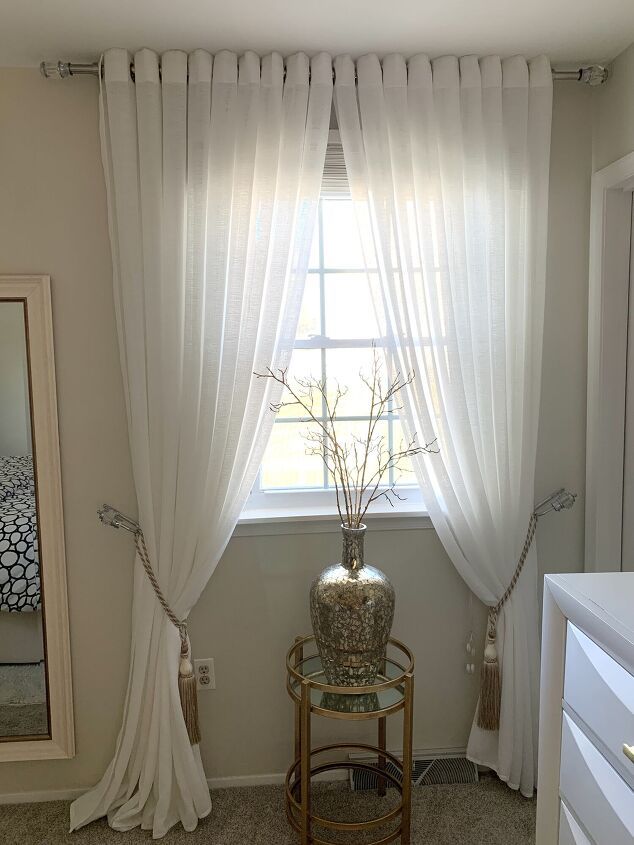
273	779
40	796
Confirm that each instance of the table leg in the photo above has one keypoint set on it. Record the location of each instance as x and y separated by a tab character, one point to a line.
299	656
305	764
408	712
297	746
382	758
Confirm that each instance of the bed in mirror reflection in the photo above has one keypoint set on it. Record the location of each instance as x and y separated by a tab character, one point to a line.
23	695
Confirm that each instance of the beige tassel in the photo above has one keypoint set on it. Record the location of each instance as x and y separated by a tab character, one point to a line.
188	694
186	677
490	683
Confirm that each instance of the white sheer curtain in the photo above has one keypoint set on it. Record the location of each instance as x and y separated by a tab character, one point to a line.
213	169
448	162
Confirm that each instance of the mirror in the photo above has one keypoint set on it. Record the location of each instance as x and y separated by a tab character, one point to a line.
35	684
23	698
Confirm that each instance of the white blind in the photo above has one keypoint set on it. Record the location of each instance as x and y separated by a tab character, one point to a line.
334	182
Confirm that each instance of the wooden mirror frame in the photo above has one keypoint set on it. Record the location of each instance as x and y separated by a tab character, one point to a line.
35	293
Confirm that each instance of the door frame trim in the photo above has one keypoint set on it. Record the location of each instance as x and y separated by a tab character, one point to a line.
608	306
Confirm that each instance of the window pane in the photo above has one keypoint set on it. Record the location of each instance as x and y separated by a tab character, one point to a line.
403	474
305	363
354	435
422	326
349	298
313	261
343	368
286	464
309	323
350	307
342	245
432	374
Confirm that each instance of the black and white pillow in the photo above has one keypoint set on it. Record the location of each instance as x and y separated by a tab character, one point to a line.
16	473
20	589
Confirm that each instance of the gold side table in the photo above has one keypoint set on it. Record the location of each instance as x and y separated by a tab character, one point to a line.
392	692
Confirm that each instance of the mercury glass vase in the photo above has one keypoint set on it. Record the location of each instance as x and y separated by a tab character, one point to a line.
352	609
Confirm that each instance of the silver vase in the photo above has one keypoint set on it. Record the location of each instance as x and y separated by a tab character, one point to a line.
352	609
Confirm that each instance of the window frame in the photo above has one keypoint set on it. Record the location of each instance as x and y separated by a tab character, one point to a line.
295	504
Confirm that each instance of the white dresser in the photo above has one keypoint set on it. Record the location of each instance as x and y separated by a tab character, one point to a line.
585	788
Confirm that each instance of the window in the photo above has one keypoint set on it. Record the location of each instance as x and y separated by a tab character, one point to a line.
337	329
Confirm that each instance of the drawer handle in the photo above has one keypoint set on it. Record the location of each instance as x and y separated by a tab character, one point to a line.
628	750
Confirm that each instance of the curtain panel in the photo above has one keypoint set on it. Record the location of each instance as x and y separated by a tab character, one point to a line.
448	162
213	170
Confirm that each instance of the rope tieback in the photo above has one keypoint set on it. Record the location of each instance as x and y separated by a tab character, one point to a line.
186	677
490	681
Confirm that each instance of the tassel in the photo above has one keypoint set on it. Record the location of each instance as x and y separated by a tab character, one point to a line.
186	678
188	693
490	682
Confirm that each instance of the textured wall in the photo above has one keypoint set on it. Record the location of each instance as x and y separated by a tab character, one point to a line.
562	426
614	112
613	139
53	220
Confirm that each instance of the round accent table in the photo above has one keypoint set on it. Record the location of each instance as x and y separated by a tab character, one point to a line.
392	692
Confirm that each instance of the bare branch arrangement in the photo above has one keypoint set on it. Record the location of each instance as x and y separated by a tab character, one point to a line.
357	465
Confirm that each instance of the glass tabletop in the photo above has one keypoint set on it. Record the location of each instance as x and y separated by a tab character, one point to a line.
360	703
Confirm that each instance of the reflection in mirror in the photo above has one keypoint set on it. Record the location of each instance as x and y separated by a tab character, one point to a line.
23	705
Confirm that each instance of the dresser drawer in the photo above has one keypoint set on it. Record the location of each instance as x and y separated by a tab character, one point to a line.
569	831
601	692
600	798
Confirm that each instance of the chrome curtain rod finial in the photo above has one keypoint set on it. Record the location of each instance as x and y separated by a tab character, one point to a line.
55	70
114	518
64	70
594	75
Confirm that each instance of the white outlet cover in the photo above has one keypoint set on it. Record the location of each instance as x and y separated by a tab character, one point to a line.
205	673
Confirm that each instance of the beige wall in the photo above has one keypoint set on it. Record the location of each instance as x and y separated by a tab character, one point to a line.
53	220
257	599
613	139
614	112
562	425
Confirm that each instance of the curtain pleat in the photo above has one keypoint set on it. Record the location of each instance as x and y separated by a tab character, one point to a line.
448	164
213	167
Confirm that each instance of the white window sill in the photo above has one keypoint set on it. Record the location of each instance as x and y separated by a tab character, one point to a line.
323	520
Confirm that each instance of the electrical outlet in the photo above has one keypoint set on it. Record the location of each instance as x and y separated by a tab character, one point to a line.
205	673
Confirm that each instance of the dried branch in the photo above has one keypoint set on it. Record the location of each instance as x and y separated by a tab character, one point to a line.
359	465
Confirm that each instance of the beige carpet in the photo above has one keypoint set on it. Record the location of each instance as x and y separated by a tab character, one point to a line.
476	814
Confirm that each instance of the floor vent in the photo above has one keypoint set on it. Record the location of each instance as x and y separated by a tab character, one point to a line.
425	772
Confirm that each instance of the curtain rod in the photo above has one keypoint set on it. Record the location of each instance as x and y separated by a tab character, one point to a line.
589	75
